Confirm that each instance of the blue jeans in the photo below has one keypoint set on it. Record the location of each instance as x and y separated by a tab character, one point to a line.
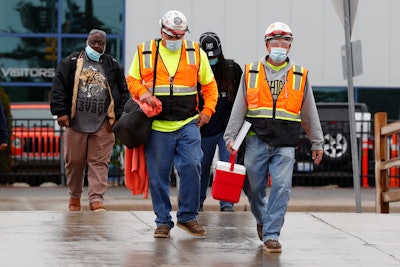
208	145
260	160
183	147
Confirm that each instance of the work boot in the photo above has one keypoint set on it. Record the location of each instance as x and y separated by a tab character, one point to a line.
74	204
272	246
162	231
97	206
192	227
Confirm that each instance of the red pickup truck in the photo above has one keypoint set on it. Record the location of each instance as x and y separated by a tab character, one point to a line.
35	136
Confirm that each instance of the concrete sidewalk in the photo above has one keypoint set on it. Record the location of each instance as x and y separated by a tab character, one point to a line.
50	197
125	238
321	229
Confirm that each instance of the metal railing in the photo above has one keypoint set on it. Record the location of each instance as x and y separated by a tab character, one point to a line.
336	165
36	152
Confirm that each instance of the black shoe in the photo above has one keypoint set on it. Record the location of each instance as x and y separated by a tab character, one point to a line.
228	209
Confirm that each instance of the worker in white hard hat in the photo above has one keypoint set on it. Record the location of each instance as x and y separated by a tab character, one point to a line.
276	97
169	69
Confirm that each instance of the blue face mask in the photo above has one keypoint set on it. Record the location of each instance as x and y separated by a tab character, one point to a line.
92	54
213	61
173	45
278	54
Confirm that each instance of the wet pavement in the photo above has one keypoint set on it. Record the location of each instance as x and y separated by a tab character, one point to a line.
125	238
37	230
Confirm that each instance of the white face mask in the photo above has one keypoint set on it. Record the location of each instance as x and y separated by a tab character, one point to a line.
173	45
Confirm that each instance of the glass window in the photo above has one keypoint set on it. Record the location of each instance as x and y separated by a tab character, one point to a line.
28	94
389	99
330	94
34	36
113	47
80	16
28	59
33	16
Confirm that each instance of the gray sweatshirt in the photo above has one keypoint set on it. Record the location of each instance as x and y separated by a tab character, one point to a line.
309	114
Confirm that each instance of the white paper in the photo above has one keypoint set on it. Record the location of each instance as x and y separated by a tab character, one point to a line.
241	135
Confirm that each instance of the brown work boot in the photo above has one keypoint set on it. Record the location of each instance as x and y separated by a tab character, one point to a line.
192	227
97	206
162	231
74	204
272	246
260	231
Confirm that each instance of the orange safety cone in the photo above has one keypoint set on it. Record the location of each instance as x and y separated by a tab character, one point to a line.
394	171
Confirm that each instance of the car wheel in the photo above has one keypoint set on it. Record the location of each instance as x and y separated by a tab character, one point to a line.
336	146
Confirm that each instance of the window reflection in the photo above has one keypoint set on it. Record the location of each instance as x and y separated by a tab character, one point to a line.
26	93
113	46
33	16
24	59
38	17
34	36
330	94
80	16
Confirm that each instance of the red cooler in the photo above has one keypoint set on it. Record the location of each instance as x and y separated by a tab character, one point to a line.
228	180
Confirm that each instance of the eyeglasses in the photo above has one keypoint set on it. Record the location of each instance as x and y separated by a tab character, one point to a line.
279	42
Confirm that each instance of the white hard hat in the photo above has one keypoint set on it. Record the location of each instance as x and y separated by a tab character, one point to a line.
174	23
278	30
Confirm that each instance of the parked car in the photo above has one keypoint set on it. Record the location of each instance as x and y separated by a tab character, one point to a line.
36	136
337	160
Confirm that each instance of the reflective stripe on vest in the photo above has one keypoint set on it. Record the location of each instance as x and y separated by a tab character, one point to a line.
148	54
253	75
268	113
178	90
190	53
298	77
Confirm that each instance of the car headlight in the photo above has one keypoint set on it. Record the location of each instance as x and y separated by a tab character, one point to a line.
17	143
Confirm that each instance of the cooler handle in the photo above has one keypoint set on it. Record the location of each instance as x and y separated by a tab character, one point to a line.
232	160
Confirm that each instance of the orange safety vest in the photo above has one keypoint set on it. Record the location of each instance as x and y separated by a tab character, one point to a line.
277	125
259	96
178	94
186	75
